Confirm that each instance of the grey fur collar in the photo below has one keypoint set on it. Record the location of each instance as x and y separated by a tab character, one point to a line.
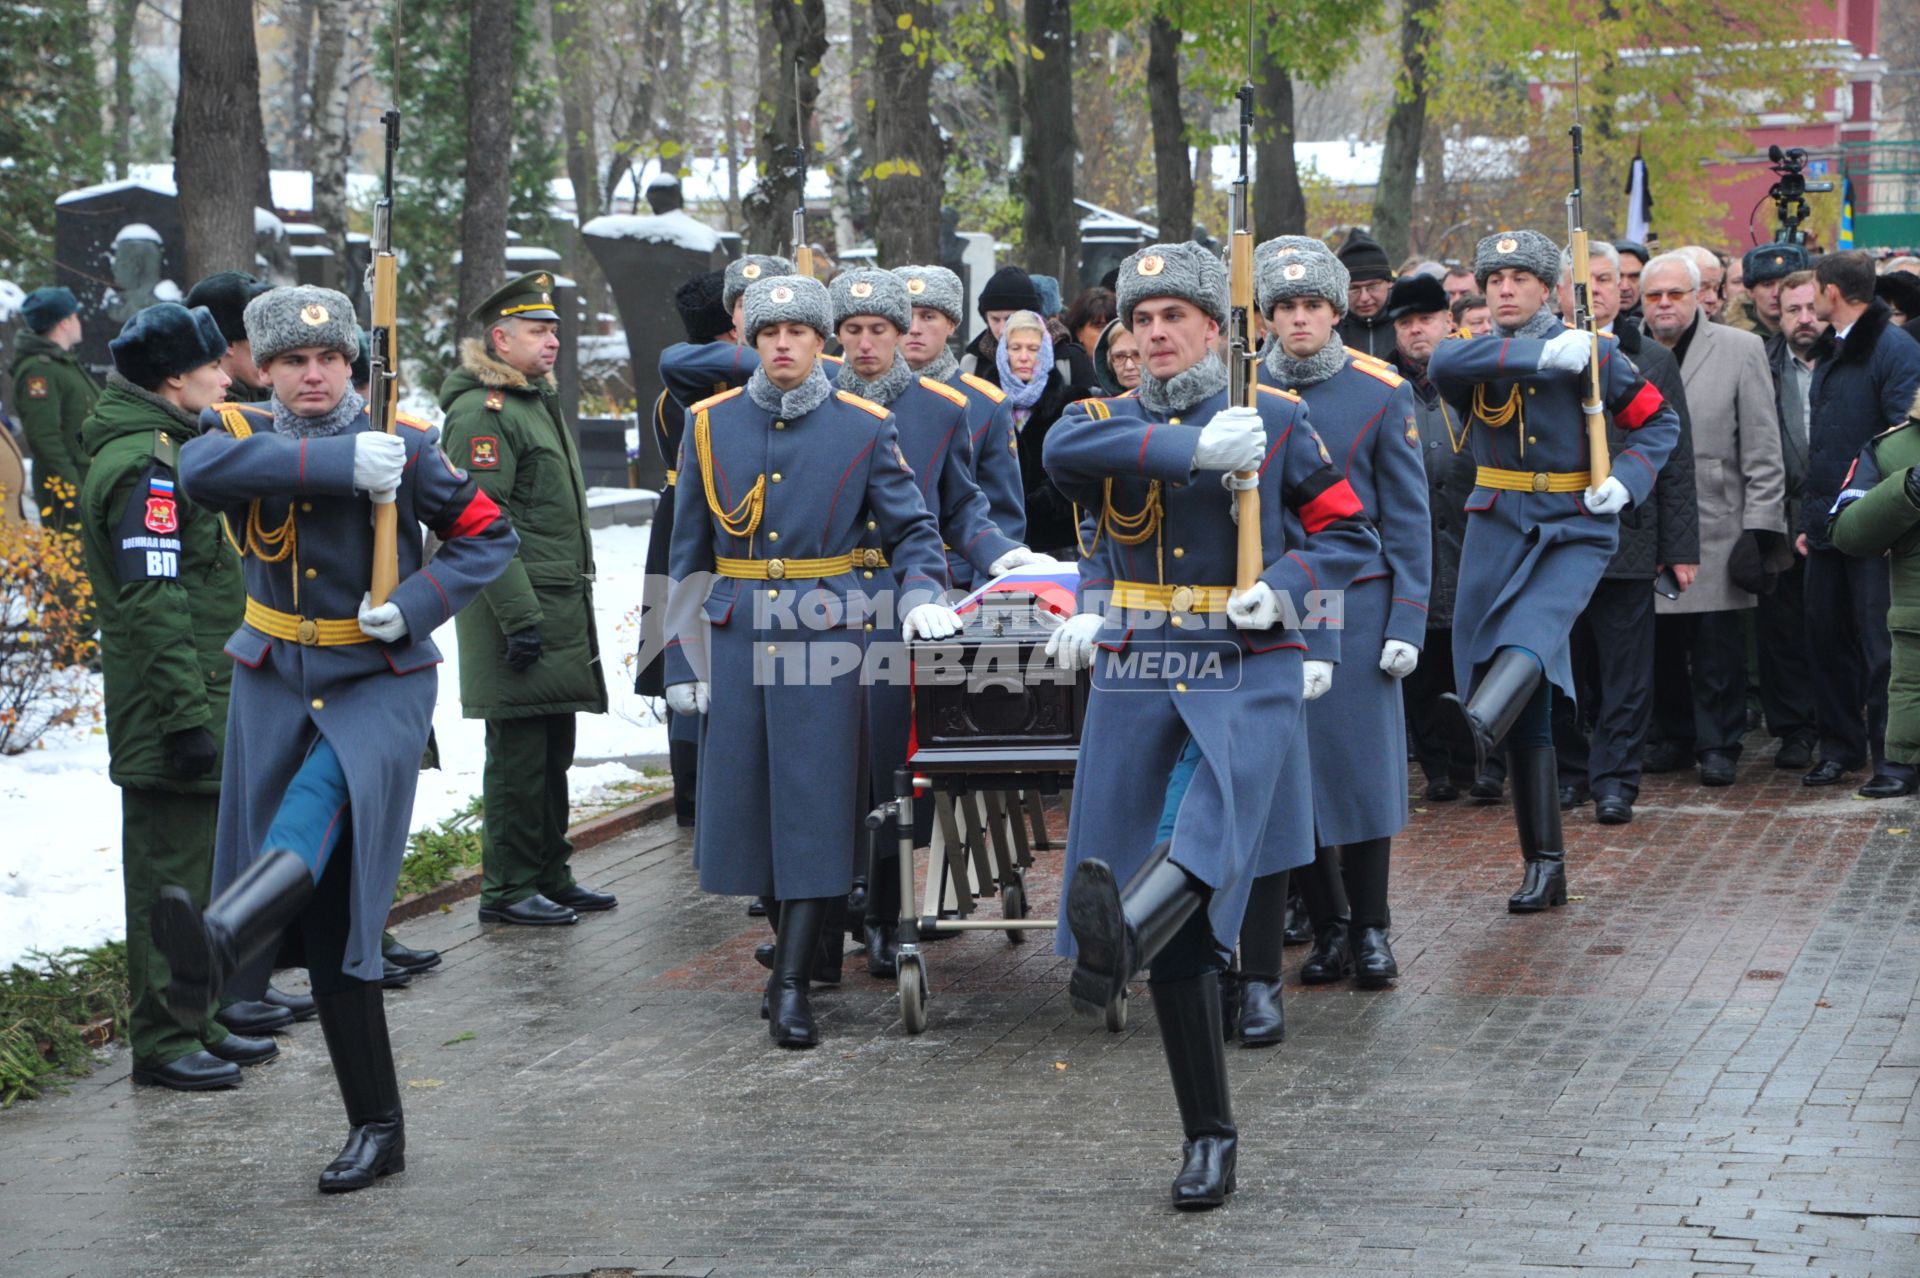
1289	373
286	422
882	390
798	402
945	368
1544	324
1184	389
190	420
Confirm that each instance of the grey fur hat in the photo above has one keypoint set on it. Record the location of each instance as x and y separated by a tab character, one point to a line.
743	271
1184	270
1289	243
782	299
1524	250
936	288
871	292
1294	270
287	319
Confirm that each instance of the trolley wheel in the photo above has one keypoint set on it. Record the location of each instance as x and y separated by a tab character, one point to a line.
913	994
1117	1014
1013	905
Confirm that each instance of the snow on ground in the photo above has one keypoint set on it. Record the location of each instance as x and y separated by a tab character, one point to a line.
60	880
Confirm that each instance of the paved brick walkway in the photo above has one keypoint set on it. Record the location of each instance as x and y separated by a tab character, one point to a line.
1704	1065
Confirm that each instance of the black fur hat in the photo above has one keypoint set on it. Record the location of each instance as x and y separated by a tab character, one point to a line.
226	294
164	340
702	309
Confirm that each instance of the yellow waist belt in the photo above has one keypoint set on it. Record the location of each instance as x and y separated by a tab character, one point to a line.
1532	481
673	477
780	569
313	632
1140	594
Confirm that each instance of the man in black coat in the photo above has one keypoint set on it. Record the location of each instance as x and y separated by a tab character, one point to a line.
1599	742
1780	622
1863	383
1366	327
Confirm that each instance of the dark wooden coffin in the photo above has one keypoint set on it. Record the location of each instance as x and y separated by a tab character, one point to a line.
989	701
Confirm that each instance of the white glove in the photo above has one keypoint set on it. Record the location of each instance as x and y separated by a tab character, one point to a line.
383	623
1018	557
1315	678
379	459
1610	499
1234	440
687	698
1071	646
1399	658
1255	609
931	621
1568	351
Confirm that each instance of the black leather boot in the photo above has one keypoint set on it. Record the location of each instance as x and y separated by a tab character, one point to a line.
1262	1020
1117	933
1536	812
790	1016
1364	866
355	1026
204	949
1299	929
828	962
883	904
1330	959
1483	721
1229	1005
1197	1061
1326	892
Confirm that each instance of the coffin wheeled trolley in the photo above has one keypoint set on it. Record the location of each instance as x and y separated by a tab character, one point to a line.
996	729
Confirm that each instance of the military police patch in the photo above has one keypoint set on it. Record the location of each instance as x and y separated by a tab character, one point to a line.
1326	458
484	453
36	388
1413	433
163	515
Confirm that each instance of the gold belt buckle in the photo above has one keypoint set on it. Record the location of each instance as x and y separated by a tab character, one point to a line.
869	558
307	632
1539	481
1182	599
776	569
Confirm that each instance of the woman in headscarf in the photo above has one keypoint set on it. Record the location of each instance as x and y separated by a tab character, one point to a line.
1038	391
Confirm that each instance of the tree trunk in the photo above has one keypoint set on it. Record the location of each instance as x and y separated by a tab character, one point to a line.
908	182
483	216
1399	163
1172	172
572	60
329	137
1046	170
728	112
125	15
1279	206
219	147
303	95
790	31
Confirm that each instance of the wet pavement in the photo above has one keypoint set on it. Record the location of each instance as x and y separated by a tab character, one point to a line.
1705	1064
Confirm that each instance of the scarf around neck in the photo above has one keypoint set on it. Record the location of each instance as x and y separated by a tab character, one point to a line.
882	390
1025	394
1544	324
1289	373
332	422
798	402
1186	388
945	368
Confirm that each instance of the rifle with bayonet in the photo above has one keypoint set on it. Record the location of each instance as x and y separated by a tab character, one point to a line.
802	251
1243	350
383	362
1592	406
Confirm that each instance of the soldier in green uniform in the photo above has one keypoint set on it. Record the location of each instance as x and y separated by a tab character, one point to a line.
225	294
53	395
529	658
1878	513
168	591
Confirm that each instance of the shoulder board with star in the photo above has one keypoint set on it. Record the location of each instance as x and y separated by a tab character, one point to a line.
411	422
721	398
1287	395
164	449
944	391
1377	370
850	398
835	360
985	387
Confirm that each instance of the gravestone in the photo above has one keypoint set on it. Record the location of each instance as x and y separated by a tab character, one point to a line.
1106	240
976	268
120	247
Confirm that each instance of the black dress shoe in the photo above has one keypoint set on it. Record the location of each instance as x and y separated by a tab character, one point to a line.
1374	967
1573	796
1263	1017
1882	786
253	1018
583	899
1664	756
1299	927
1826	772
1716	768
757	908
411	959
393	976
244	1051
1487	787
1794	752
301	1005
535	911
1442	791
194	1072
1611	809
1329	959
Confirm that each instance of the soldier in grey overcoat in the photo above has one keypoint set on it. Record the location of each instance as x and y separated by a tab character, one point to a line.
1539	533
332	695
769	613
1197	687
